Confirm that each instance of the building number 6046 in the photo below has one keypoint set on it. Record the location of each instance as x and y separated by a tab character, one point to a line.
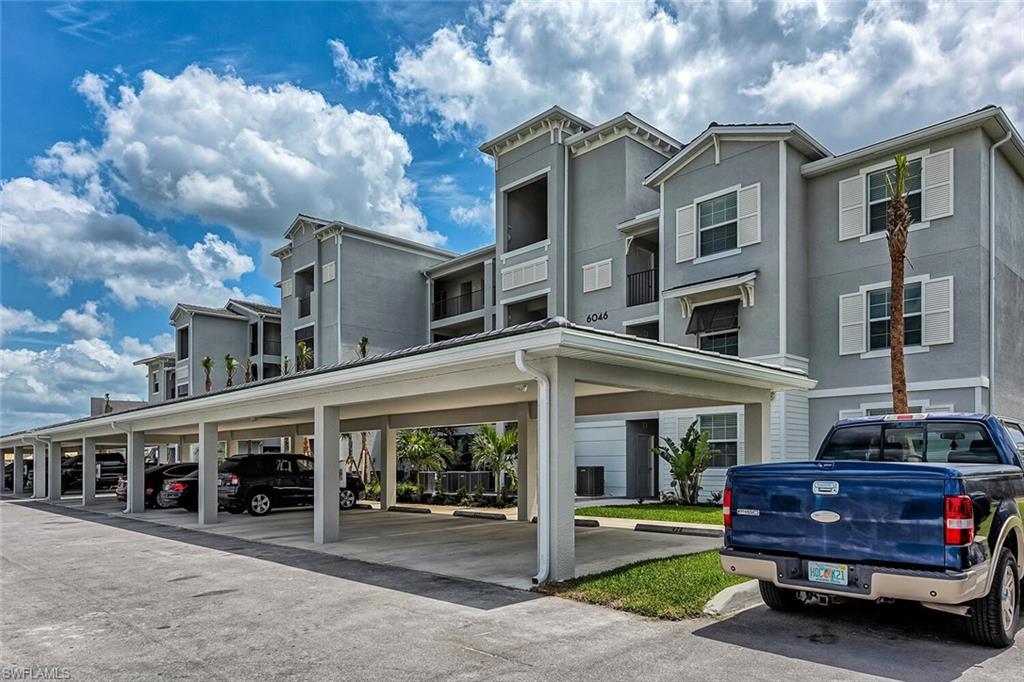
594	317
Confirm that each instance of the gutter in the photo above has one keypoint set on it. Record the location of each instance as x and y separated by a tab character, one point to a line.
543	465
992	265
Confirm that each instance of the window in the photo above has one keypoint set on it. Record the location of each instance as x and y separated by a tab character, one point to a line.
182	390
1017	436
182	343
932	441
878	317
726	344
723	437
879	196
716	220
304	465
156	381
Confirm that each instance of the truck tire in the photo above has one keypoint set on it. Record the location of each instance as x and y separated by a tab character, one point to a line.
779	599
994	618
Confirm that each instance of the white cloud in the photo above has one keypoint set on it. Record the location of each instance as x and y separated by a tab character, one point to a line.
42	221
52	385
59	285
849	73
358	72
251	157
14	320
477	213
87	322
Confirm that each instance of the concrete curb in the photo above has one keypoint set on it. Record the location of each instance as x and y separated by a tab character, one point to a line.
586	523
362	505
470	513
408	510
680	530
733	599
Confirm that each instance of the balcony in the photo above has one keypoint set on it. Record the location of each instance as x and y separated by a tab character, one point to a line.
459	305
271	347
642	287
304	306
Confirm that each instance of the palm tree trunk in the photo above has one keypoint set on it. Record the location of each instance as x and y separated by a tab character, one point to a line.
898	221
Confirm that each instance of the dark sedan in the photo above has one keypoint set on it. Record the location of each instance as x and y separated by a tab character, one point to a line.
180	492
155	477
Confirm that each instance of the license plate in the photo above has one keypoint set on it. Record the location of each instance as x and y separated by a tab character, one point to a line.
829	574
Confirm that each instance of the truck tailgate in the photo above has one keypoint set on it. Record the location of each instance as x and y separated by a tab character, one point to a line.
848	511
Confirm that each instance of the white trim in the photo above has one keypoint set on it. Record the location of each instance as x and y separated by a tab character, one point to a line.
925	405
596	265
525	297
713	285
640	219
565	233
544	243
775	356
716	256
307	266
936	385
663	247
525	180
641	320
716	194
887	352
301	326
532	261
783	320
872	236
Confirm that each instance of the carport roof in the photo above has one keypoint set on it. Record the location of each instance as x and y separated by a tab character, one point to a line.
631	346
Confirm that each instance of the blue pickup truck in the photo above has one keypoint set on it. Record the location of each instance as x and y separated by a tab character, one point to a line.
920	507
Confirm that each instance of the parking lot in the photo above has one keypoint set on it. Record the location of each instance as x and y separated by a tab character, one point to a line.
500	552
110	597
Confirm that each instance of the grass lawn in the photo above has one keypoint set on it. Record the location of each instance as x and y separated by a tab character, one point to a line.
672	589
656	512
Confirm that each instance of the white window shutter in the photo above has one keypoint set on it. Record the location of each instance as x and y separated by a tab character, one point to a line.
329	272
937	311
686	233
937	185
851	324
286	287
589	278
748	213
851	208
604	274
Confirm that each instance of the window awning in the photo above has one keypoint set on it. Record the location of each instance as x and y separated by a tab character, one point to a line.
715	317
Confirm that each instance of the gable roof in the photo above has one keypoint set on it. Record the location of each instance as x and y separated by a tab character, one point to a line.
257	308
193	309
629	125
322	227
163	359
555	118
793	133
992	119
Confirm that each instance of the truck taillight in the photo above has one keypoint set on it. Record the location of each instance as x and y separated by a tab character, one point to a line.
234	479
959	520
727	507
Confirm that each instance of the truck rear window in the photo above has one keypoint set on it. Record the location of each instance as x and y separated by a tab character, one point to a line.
932	441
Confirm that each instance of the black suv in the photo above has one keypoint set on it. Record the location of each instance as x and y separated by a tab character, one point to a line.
259	483
110	467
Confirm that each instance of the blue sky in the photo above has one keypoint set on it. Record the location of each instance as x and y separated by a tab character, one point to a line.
155	152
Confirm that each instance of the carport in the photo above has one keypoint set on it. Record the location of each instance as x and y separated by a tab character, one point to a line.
540	375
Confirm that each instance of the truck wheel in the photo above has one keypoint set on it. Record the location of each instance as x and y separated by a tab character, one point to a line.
994	620
779	599
259	503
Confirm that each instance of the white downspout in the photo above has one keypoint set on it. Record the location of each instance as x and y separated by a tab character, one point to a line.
543	465
992	266
565	234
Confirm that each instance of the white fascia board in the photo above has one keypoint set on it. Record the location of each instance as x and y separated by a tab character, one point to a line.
912	387
713	285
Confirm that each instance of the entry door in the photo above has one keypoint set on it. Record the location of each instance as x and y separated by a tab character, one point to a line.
645	468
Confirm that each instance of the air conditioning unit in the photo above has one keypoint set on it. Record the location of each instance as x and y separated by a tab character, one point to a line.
590	481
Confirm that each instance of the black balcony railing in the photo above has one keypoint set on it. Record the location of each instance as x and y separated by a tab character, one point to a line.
304	306
642	287
458	305
271	347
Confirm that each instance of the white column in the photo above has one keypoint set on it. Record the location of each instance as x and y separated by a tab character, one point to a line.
207	473
562	526
388	468
18	470
326	463
136	472
88	471
38	471
757	432
526	464
53	471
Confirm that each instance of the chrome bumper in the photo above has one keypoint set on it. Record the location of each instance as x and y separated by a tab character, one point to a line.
867	582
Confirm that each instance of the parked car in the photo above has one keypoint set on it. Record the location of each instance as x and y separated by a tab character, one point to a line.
916	507
26	475
154	478
110	467
260	483
180	492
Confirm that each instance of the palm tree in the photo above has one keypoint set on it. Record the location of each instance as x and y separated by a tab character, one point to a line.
496	451
230	364
248	369
286	367
424	450
303	355
207	363
898	221
364	467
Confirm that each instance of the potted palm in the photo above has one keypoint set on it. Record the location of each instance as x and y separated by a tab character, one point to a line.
364	468
230	364
207	364
424	450
303	356
247	367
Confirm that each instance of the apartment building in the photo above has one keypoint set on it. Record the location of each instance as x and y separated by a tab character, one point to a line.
751	240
